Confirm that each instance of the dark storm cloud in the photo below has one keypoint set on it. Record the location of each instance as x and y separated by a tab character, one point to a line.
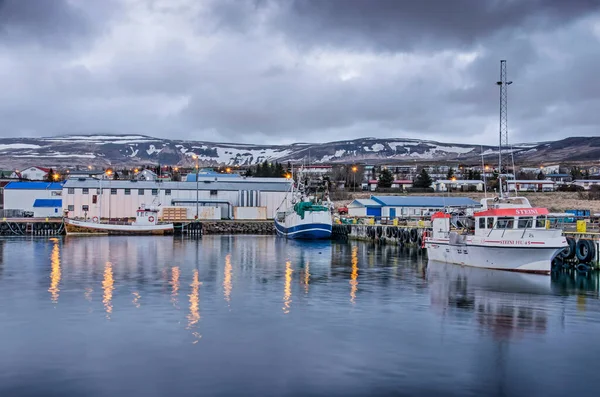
392	25
269	71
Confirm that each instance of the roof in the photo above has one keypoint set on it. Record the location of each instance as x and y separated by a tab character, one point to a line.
365	203
513	212
404	181
47	203
544	181
425	201
34	185
231	184
460	181
191	177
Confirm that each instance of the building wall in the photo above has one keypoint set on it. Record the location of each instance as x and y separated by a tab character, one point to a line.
47	212
23	199
34	174
122	205
357	211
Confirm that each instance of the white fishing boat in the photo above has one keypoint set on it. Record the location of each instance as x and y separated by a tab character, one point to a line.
304	217
146	222
506	234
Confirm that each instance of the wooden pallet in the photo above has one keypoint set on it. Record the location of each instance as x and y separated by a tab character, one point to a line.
174	214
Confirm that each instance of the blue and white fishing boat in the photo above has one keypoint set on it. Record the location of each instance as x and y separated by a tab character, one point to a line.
304	217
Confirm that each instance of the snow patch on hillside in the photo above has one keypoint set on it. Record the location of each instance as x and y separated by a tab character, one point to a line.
11	146
152	149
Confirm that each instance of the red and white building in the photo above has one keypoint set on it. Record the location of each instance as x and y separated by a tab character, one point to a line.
34	173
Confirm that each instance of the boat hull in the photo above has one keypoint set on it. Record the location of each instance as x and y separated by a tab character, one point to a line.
314	226
82	227
522	259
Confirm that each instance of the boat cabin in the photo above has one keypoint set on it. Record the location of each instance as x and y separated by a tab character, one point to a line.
146	216
510	218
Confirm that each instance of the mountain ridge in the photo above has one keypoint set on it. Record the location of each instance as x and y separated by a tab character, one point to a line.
135	149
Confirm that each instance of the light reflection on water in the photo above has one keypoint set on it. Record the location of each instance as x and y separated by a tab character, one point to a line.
300	318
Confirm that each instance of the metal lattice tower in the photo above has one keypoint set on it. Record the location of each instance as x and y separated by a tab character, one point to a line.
504	151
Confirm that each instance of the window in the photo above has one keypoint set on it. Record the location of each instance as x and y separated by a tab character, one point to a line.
482	223
155	192
97	191
213	192
85	190
56	194
505	223
85	208
525	223
167	192
540	222
71	207
113	191
140	192
127	192
71	190
94	199
490	223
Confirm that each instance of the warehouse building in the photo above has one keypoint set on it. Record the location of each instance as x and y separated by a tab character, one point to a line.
208	198
406	206
43	199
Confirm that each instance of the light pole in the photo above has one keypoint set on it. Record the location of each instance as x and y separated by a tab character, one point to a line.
195	157
354	169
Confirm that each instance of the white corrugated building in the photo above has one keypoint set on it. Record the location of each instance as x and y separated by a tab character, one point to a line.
41	198
120	199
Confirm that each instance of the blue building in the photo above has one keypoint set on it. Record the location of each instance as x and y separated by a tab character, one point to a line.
407	206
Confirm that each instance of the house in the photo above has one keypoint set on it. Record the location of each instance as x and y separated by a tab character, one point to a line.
559	177
402	184
84	174
444	185
41	198
586	183
364	207
532	185
146	175
406	206
317	170
34	173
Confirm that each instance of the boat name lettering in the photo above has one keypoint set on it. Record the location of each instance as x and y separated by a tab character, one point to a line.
526	212
515	242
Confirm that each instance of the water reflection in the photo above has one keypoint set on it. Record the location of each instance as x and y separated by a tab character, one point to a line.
227	279
287	289
415	325
175	286
306	276
108	286
55	272
507	304
136	299
354	274
194	315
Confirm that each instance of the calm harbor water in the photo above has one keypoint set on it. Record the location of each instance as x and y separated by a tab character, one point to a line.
247	315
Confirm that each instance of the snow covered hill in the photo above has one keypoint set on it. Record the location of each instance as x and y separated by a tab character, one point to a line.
130	150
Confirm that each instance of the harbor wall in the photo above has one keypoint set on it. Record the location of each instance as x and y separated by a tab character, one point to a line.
233	227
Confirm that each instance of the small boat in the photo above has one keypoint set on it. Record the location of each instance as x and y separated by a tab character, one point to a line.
307	218
146	222
505	234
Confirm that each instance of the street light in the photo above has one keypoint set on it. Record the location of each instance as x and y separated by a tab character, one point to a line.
195	157
354	169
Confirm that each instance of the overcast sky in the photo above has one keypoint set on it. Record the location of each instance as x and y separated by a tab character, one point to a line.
282	71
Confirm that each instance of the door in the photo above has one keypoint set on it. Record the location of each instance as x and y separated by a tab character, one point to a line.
392	213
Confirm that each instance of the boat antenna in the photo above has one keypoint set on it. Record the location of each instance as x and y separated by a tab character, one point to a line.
483	170
503	85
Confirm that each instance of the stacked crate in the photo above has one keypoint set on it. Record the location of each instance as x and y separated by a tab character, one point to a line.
174	214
